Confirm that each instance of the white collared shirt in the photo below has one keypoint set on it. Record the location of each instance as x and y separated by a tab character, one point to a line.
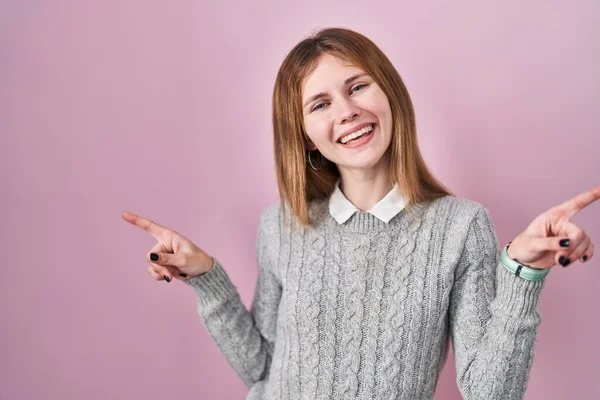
342	209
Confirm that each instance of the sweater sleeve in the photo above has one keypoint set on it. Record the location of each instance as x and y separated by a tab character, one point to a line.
246	338
493	319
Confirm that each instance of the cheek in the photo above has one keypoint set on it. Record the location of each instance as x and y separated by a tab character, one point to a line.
380	104
383	108
318	129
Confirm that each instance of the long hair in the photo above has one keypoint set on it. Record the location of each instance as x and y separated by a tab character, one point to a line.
298	183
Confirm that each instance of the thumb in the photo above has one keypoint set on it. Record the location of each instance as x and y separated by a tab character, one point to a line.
161	258
555	243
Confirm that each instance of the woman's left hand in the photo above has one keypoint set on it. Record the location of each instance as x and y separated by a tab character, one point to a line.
542	244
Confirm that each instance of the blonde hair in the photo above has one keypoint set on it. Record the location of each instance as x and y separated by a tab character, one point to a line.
298	183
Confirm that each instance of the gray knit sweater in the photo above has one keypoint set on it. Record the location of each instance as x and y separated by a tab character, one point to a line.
364	310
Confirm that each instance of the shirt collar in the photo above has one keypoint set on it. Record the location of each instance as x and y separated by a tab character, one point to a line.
342	209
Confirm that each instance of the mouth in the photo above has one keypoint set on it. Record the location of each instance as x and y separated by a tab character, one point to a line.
358	138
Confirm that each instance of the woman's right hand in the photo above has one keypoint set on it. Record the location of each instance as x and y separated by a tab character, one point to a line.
177	256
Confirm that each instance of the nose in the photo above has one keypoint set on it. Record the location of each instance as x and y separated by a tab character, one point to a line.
347	110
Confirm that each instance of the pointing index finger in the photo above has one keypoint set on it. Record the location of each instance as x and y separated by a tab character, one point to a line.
580	201
149	226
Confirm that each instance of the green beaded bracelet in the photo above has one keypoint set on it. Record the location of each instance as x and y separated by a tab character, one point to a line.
522	271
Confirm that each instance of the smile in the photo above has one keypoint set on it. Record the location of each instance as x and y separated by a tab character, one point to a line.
358	138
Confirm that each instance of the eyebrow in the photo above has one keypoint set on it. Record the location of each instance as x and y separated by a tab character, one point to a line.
323	94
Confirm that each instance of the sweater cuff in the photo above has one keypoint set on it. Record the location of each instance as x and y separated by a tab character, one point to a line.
212	285
517	296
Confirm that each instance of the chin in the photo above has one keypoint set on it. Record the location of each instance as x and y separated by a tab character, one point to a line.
366	162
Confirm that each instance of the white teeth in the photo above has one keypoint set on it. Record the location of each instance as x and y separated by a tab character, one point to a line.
356	134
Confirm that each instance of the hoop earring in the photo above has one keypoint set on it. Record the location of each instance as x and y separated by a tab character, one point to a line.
311	164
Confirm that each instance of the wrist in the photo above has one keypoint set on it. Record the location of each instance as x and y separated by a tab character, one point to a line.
519	269
517	261
210	263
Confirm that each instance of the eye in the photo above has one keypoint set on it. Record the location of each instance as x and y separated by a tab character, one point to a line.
360	85
317	107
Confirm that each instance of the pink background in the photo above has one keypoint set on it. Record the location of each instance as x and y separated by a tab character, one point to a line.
163	108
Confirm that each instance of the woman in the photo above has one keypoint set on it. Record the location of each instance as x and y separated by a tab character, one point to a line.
368	265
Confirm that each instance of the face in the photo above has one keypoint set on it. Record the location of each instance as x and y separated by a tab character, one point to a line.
340	99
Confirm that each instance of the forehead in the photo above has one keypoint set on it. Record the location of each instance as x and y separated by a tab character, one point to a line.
330	72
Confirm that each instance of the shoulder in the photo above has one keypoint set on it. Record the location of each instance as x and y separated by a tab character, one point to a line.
270	218
462	219
468	231
271	212
459	210
276	218
268	240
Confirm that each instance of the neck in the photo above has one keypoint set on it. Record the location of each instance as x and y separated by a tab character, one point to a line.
365	188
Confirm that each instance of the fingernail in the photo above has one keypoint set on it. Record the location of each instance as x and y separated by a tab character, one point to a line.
562	260
167	278
584	258
565	243
153	256
183	275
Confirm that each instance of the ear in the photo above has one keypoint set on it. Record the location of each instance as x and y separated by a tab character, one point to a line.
310	145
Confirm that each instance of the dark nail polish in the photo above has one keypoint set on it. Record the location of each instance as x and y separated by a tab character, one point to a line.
565	243
562	260
566	262
181	274
584	258
153	256
167	278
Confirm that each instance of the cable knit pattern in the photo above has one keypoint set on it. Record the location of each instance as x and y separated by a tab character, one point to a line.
372	307
309	333
357	248
421	306
364	310
331	315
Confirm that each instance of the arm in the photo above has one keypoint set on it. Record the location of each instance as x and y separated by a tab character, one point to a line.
493	319
246	338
